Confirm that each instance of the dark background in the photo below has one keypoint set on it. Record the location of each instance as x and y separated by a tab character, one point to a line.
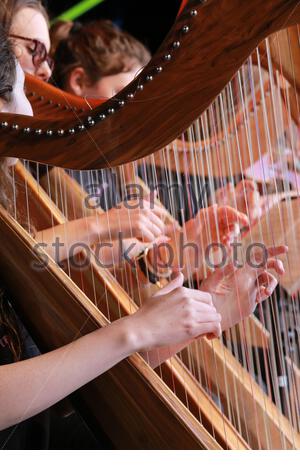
149	21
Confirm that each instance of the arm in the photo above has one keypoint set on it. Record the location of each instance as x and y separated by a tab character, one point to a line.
57	241
142	222
28	387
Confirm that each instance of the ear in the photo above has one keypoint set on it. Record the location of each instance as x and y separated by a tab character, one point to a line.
77	81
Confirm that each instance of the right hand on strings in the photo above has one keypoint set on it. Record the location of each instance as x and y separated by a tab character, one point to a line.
175	315
214	224
139	219
244	196
211	225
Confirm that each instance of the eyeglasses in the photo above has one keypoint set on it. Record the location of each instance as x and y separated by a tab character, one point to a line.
39	52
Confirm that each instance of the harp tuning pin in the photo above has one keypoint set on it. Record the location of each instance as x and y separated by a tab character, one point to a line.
121	103
185	29
91	121
159	69
102	117
49	132
60	132
38	131
15	127
27	130
72	131
4	125
194	13
130	96
140	87
168	57
81	127
111	110
176	44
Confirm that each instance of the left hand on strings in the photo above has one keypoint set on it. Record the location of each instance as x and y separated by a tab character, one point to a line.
236	291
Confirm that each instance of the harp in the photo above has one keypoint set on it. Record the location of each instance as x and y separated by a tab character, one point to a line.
214	394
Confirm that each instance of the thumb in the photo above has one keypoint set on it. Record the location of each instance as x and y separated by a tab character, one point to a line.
174	284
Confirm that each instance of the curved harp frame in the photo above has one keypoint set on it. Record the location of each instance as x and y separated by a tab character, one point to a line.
225	31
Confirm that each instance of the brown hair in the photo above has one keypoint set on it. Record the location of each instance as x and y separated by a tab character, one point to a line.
9	8
7	81
99	47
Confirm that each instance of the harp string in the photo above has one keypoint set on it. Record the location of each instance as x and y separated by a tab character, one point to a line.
201	144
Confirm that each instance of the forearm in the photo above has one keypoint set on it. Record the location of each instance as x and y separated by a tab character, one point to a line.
31	386
65	240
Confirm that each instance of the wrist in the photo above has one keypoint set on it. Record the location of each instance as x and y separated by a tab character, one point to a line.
99	228
129	336
138	338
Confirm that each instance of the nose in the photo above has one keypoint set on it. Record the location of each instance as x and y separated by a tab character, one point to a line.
44	72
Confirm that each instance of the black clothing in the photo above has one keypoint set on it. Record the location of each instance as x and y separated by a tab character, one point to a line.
34	432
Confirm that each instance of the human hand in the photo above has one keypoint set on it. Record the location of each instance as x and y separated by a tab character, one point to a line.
244	197
175	315
141	219
236	291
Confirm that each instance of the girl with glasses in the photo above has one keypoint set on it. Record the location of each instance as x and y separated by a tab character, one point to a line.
27	23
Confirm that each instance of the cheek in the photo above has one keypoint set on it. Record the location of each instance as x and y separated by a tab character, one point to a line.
25	60
104	89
